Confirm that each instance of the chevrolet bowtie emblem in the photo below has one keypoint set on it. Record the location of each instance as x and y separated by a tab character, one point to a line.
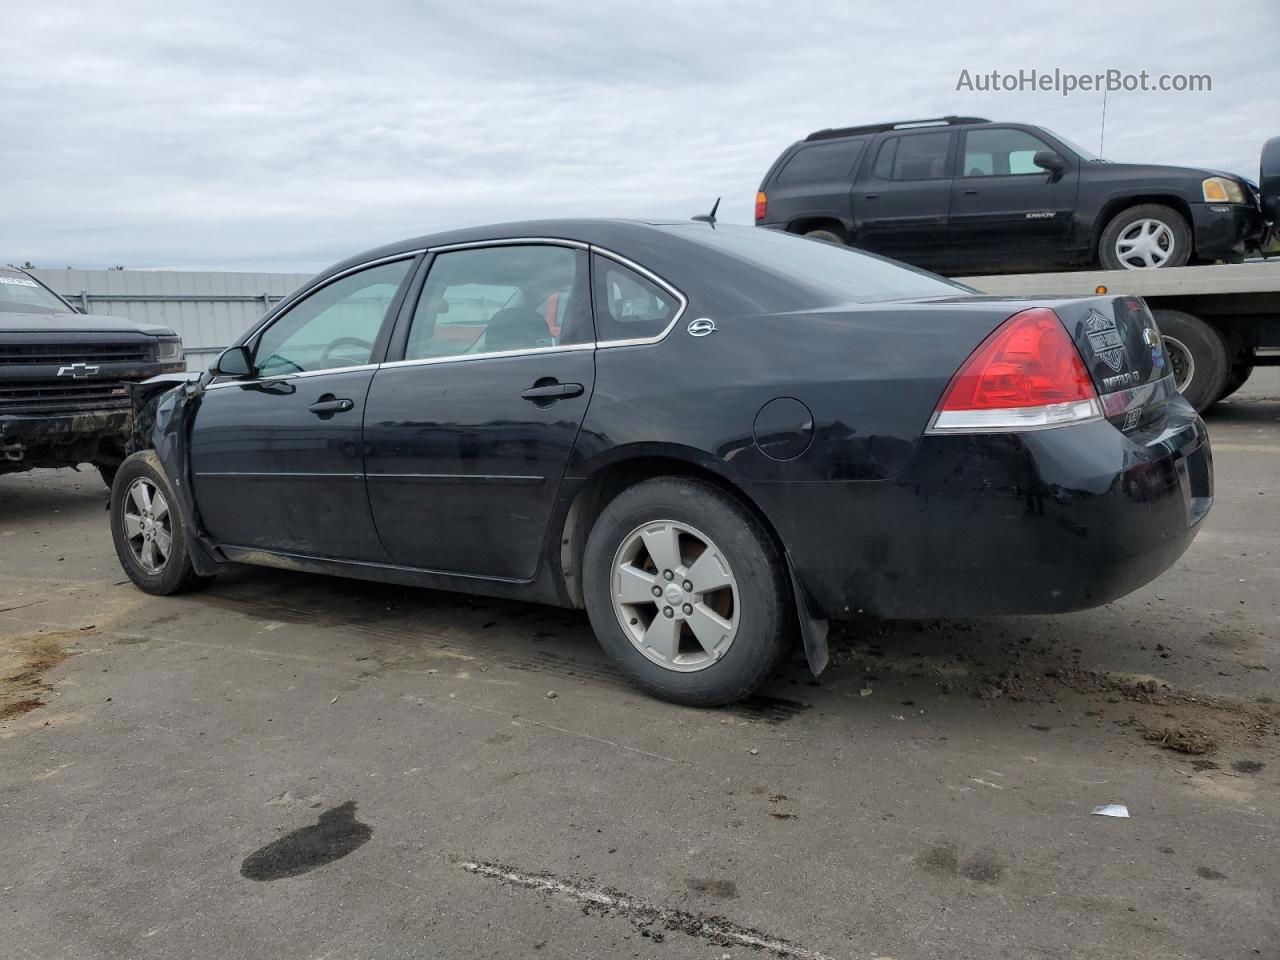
79	371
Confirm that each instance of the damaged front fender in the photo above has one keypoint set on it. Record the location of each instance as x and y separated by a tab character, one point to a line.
164	409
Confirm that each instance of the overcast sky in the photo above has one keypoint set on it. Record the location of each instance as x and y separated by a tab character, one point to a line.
280	136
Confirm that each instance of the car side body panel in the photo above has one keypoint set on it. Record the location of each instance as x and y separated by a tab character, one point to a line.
816	414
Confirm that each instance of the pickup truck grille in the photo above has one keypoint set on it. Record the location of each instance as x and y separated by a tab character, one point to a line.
62	396
67	353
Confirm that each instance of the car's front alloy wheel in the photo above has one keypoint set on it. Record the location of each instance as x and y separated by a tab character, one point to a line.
147	528
687	591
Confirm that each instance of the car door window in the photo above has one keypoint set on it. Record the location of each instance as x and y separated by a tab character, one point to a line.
1001	153
334	327
630	306
919	157
500	299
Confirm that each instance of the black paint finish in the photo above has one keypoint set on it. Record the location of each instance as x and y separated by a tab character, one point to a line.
810	406
965	225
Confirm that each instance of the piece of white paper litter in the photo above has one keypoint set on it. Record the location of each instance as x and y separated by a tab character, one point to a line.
1111	810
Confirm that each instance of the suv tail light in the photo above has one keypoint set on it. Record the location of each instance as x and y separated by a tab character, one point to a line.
1026	375
762	205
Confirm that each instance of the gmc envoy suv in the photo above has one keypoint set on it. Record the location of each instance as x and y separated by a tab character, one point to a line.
964	195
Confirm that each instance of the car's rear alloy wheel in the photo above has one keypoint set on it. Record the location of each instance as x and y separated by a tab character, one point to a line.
687	591
147	529
674	595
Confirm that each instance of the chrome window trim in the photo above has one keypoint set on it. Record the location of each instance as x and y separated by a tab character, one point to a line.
495	355
508	241
649	275
288	304
295	375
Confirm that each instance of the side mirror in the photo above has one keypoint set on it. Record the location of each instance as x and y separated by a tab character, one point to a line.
1048	160
233	362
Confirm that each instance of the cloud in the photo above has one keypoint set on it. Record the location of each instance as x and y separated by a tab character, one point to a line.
283	136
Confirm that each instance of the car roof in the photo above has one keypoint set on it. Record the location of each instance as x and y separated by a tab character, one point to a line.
609	233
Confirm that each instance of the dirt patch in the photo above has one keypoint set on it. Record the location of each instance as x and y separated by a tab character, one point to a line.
23	662
1181	739
910	659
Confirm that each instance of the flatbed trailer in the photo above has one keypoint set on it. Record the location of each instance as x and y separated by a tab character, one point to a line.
1218	322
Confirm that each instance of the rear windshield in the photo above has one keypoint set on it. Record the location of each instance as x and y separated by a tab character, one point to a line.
840	272
20	294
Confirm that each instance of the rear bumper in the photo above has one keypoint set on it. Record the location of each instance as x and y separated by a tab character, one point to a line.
1043	522
1225	228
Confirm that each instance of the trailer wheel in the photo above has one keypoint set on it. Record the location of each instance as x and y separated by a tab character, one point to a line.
1237	376
1197	354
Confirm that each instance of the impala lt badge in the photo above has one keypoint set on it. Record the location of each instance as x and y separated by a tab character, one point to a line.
79	371
701	327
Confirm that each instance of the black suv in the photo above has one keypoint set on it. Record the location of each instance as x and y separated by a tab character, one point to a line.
64	378
964	195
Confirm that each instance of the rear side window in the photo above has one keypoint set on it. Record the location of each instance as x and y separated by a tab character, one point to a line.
922	156
822	161
1001	153
629	306
500	299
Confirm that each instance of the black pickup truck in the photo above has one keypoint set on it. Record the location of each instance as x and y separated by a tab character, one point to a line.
64	394
964	195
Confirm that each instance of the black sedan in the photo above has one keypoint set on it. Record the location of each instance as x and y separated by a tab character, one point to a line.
714	438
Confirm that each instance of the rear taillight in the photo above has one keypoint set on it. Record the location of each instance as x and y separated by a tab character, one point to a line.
1026	375
762	205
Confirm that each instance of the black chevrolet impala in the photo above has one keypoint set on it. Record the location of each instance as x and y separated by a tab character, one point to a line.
714	438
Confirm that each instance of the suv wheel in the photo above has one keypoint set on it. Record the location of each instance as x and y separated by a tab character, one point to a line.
1150	236
147	529
686	591
826	236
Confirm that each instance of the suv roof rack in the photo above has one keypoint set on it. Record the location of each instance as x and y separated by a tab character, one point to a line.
832	132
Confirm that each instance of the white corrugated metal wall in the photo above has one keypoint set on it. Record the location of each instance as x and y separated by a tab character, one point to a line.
207	309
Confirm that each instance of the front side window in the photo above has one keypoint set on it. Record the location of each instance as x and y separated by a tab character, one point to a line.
334	327
20	294
1001	153
823	161
629	306
498	299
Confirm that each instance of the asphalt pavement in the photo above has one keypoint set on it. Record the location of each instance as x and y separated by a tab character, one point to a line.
289	766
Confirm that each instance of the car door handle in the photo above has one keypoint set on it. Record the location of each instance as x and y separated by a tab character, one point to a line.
544	392
330	405
969	193
871	196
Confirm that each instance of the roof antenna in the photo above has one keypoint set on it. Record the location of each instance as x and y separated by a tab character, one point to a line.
709	217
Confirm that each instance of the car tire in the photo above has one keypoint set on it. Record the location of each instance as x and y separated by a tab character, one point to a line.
1237	376
754	612
1198	355
1167	225
139	533
826	236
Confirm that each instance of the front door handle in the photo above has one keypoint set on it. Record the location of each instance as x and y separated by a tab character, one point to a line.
871	196
328	405
969	193
548	390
